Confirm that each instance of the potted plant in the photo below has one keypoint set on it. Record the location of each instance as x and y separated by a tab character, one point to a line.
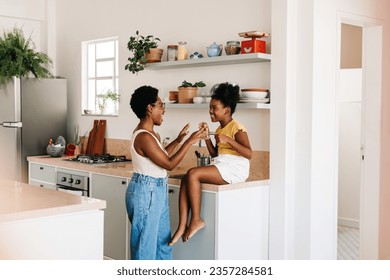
187	91
18	57
144	49
108	99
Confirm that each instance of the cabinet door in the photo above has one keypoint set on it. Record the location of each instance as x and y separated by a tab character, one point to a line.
202	245
113	190
43	184
43	173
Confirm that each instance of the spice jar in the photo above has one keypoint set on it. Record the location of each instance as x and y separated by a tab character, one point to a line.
172	52
182	52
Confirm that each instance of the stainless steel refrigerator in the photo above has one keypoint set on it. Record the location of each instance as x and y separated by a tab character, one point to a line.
31	112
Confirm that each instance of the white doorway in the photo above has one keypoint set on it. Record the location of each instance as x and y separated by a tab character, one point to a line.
359	91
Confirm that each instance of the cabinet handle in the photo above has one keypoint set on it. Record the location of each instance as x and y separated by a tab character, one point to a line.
41	168
171	191
123	182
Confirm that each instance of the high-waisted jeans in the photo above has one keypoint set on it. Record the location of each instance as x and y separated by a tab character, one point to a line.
148	211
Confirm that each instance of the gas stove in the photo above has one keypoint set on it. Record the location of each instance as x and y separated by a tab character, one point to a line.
96	159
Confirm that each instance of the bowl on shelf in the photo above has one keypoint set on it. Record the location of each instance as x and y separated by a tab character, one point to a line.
254	93
197	100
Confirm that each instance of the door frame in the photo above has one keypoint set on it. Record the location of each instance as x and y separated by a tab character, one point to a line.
371	121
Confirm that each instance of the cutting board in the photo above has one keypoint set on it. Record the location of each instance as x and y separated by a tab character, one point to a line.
98	147
91	138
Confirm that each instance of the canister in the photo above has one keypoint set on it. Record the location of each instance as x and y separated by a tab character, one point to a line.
172	52
182	52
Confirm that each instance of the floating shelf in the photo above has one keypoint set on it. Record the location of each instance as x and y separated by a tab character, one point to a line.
206	106
211	61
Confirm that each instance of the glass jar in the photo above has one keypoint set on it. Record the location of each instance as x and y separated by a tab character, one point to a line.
232	47
182	52
171	52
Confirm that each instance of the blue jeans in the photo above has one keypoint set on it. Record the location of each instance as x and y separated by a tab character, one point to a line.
148	211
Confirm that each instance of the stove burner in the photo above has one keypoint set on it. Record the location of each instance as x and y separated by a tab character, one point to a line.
93	159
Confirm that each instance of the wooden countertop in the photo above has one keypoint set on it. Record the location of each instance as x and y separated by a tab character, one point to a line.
126	170
20	201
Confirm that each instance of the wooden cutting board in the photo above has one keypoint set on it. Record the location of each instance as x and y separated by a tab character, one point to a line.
98	147
91	138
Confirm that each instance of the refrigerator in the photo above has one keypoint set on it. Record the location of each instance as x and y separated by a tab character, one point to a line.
31	112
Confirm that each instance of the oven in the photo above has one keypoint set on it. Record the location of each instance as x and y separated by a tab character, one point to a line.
73	183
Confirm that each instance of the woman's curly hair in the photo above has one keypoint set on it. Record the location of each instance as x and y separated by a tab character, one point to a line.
141	98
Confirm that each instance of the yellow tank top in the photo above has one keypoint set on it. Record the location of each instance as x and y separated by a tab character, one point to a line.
229	130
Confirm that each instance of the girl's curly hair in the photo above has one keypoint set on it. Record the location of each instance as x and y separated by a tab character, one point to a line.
228	94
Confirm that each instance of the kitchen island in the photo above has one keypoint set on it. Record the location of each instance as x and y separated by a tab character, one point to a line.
38	223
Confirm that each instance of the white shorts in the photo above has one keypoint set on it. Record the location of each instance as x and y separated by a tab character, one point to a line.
233	169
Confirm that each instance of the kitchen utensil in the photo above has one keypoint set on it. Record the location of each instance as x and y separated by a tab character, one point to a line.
98	147
91	138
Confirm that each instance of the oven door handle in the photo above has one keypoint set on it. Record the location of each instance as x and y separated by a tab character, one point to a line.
70	188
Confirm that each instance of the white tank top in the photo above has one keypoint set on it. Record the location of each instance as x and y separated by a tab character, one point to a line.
143	165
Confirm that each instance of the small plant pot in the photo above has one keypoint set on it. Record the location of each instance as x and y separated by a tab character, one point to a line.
154	55
187	94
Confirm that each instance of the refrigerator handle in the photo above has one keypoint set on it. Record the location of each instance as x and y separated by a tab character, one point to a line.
12	124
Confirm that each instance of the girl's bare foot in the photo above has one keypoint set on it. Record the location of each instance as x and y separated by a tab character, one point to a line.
193	228
179	233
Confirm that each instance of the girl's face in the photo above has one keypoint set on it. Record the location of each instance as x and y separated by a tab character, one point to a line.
217	111
158	110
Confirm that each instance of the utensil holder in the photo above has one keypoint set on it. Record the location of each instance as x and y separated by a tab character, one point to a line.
203	161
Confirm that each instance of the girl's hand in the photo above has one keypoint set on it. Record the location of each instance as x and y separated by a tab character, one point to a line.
221	138
183	133
205	126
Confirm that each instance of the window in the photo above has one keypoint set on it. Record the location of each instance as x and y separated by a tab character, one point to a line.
100	76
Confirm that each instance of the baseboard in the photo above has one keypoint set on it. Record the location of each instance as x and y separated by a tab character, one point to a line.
348	222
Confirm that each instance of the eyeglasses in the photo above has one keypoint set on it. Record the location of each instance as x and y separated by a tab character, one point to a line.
161	104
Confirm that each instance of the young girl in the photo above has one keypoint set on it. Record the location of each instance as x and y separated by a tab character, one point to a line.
231	163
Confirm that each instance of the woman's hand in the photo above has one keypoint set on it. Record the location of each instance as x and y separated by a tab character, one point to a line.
183	133
197	135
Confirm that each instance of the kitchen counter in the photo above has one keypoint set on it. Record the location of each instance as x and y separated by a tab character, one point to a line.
43	224
126	170
19	201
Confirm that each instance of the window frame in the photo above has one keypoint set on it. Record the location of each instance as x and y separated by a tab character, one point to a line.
90	101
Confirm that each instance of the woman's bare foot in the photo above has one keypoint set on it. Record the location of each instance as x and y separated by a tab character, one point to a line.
179	233
193	228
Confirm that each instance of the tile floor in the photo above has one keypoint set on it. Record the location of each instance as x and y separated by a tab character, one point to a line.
347	243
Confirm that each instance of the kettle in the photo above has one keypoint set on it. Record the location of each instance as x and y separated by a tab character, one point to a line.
214	50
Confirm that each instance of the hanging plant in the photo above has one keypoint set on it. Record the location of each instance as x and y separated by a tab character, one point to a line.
18	57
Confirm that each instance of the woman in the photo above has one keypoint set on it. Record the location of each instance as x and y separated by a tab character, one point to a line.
147	192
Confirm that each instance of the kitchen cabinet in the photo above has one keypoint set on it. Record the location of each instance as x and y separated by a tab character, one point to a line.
116	225
236	224
42	175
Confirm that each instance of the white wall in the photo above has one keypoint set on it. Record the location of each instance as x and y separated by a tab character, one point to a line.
200	24
304	127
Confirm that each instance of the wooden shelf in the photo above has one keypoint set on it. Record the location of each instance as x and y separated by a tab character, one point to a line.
211	61
206	106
